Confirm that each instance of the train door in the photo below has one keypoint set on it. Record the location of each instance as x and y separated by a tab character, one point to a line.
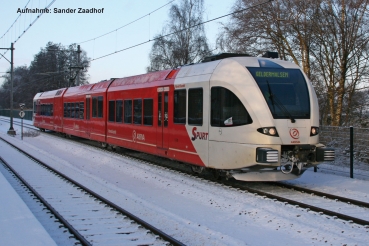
88	115
162	133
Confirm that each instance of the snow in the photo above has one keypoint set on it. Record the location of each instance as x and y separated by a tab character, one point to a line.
195	211
16	219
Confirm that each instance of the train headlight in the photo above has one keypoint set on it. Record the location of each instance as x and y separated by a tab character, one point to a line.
314	131
270	131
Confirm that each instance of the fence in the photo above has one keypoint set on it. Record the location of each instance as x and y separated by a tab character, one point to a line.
351	146
6	112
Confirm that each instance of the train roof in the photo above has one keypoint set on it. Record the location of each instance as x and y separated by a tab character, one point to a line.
139	81
50	94
89	88
199	71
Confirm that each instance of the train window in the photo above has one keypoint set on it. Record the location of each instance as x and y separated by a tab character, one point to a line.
195	105
148	112
72	110
284	90
34	107
119	111
112	111
94	107
137	108
81	110
226	109
88	107
179	116
128	111
97	107
68	110
100	107
76	110
51	110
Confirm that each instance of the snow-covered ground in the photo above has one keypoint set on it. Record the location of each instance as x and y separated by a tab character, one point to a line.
194	211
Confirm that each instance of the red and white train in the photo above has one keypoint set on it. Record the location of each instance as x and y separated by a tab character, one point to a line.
250	118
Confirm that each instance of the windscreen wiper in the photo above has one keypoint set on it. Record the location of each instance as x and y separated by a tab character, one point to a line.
276	101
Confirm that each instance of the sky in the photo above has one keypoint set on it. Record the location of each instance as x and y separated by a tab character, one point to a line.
68	28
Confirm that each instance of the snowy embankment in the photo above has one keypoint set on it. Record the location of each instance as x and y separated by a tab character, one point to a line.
194	211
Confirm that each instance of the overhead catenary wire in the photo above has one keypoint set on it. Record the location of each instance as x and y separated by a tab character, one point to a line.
184	29
14	21
93	39
30	25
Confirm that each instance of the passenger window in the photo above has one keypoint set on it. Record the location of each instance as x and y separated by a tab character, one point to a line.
111	111
119	111
88	107
81	110
137	107
195	105
51	110
100	107
94	107
68	110
72	110
148	112
226	109
179	116
76	107
128	111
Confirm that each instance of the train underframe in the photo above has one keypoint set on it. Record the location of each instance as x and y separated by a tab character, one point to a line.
274	165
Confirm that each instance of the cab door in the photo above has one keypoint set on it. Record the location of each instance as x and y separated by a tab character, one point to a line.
162	132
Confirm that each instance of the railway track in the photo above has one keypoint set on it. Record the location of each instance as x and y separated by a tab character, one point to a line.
324	203
337	207
347	209
91	218
58	231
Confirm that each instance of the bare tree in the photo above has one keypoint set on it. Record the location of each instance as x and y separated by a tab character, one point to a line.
327	38
341	51
182	40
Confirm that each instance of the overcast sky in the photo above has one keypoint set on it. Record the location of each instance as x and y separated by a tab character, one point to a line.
67	28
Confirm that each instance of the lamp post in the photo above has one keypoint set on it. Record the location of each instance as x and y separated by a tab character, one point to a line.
11	129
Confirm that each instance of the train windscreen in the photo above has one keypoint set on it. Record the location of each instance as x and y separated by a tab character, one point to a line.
284	90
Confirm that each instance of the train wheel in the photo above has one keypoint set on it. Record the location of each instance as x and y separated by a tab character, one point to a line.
197	169
216	174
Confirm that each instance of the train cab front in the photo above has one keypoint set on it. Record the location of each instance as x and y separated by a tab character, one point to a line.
291	136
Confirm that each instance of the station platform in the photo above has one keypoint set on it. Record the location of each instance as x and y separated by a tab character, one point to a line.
18	225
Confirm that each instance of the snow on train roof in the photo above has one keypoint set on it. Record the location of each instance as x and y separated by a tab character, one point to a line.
139	80
50	94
